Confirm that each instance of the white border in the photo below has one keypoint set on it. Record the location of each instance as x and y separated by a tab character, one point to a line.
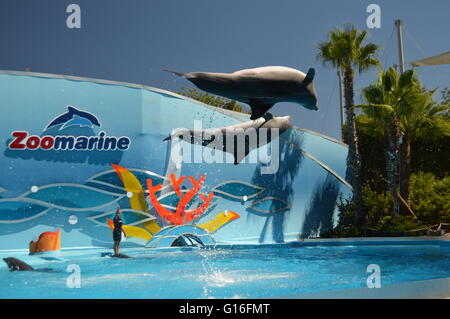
215	190
148	217
51	205
252	206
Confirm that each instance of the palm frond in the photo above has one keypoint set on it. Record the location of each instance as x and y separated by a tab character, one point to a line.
344	48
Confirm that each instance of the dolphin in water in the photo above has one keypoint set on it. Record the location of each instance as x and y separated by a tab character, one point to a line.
119	255
208	137
260	87
71	115
15	264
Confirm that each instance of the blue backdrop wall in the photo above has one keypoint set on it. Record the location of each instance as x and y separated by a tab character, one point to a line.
44	188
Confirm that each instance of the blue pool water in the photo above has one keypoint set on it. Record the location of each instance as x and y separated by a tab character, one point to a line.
239	272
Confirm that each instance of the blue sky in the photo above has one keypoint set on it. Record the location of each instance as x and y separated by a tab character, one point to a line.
134	40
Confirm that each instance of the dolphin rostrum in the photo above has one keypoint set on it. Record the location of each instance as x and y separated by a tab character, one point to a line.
74	114
15	264
260	87
236	139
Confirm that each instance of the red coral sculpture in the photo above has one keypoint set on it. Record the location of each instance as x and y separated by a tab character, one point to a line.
181	216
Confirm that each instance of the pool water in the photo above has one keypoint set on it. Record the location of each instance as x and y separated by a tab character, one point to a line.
247	272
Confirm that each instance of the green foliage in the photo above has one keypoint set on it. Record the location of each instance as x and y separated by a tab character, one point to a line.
445	94
402	96
378	205
372	144
431	155
429	186
392	95
346	227
395	103
428	153
430	200
379	219
213	100
345	49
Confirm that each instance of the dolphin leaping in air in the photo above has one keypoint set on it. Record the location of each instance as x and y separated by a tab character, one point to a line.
260	87
210	137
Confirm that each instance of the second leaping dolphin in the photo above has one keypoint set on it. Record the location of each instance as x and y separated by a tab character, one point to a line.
260	87
233	138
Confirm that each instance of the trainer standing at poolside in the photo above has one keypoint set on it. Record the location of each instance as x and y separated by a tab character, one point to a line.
117	232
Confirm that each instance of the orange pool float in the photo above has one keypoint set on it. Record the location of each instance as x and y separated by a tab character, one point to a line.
47	241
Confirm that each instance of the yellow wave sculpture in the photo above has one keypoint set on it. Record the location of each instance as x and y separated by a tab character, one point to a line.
137	202
132	231
219	221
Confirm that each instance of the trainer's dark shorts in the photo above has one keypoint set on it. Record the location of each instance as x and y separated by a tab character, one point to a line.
117	236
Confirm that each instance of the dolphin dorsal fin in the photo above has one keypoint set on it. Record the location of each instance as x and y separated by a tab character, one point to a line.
71	109
309	77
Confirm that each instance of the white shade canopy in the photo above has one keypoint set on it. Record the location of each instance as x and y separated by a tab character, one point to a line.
443	58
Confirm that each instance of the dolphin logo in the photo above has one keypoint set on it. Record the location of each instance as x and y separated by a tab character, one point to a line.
74	117
77	121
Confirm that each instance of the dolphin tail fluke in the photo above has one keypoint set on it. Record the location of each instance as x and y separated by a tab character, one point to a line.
176	72
259	110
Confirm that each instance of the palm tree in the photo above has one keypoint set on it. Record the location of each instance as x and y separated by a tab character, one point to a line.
399	106
425	118
345	51
385	98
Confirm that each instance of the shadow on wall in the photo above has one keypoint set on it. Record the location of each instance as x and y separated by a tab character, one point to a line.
95	157
279	185
320	211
